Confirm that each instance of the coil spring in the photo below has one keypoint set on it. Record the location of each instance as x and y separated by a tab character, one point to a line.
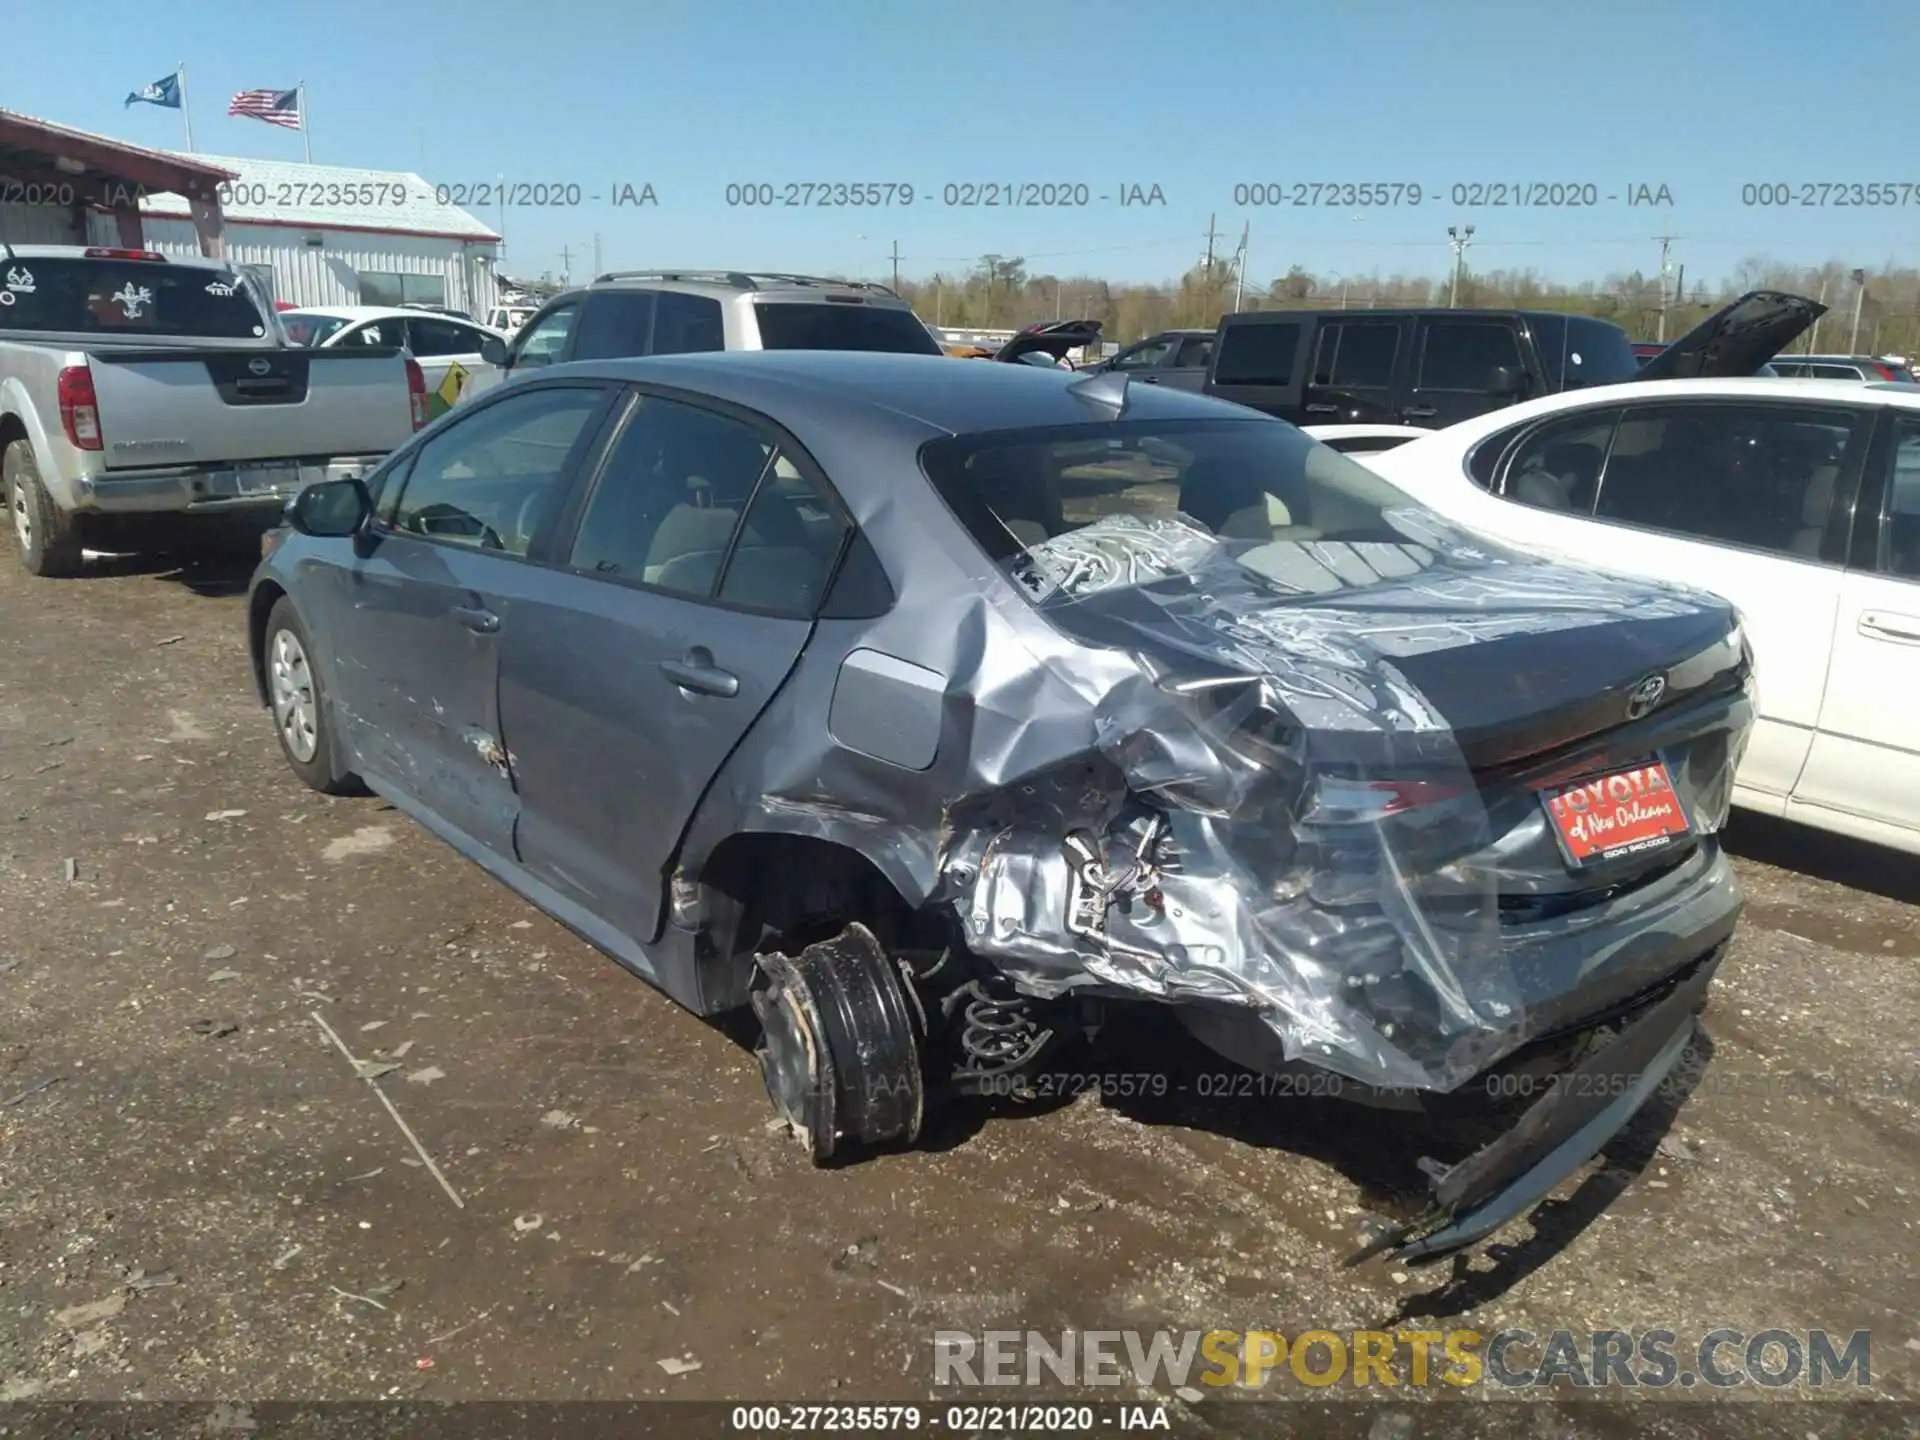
997	1033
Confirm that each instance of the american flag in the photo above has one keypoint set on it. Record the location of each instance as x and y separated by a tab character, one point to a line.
276	107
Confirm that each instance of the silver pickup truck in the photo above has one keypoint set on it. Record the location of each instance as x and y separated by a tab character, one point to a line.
154	403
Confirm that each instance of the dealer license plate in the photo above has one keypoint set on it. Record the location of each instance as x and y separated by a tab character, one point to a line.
266	479
1624	812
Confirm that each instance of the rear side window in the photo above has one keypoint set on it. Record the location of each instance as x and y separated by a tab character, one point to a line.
1760	477
1195	352
1557	467
809	325
614	324
787	546
428	338
1357	355
687	324
670	497
1462	355
1902	530
1258	354
126	297
376	333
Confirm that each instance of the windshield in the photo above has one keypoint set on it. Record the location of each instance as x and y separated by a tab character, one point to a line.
71	293
819	325
1074	510
306	329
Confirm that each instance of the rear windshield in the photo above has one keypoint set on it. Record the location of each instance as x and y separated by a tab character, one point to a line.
819	325
305	329
1073	510
126	297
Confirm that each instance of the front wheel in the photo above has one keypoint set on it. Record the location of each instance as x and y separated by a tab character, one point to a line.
298	698
43	537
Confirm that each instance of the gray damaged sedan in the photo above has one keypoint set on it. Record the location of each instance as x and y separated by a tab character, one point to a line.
935	710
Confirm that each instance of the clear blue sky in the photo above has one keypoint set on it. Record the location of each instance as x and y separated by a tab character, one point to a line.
689	95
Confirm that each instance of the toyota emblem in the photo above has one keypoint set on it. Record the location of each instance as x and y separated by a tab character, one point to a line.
1644	696
260	367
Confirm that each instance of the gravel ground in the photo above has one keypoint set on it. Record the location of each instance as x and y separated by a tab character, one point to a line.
206	1200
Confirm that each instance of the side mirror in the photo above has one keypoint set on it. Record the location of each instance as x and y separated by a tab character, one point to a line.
493	350
1508	380
331	508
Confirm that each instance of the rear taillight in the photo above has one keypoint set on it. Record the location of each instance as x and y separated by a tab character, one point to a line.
79	407
417	393
102	252
1338	800
1887	372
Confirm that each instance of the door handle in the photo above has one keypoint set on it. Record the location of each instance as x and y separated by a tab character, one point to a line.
1322	409
698	673
1419	412
1902	629
481	622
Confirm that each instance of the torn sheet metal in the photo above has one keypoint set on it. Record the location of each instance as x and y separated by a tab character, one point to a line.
1297	782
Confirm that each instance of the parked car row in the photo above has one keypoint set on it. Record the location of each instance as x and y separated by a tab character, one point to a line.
933	711
1430	367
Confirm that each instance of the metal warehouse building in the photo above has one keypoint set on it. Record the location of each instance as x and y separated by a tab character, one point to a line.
335	235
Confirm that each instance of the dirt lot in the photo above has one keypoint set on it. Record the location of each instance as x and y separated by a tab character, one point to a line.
177	907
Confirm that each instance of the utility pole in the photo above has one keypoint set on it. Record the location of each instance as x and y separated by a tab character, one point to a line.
1460	237
598	268
1240	267
566	265
896	266
1666	247
1859	294
1210	240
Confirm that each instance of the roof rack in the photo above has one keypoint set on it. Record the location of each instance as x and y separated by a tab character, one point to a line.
746	280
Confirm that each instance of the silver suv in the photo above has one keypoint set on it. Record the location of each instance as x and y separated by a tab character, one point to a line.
628	313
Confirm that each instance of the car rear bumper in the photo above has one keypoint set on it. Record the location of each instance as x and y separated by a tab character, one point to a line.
200	490
1583	1107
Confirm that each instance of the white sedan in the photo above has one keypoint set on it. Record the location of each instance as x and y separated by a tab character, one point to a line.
447	347
1798	500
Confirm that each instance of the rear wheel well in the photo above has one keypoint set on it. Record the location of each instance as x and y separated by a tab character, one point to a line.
766	891
258	609
12	428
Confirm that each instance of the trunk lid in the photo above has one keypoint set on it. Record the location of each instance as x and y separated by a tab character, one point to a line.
1738	339
197	405
1055	338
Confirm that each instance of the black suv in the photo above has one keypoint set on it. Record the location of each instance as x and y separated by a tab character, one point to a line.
1433	367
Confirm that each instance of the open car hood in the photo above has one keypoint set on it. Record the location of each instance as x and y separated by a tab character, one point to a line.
1056	338
1736	340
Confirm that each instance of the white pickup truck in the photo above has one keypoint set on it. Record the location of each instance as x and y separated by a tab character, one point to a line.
154	403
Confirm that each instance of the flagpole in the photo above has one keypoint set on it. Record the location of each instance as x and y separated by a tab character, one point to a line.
305	134
185	113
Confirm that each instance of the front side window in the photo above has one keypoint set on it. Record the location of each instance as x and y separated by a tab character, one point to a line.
493	478
824	325
1557	467
1257	354
1073	510
1757	476
304	328
545	340
1463	355
1357	355
670	497
376	333
1140	357
1195	352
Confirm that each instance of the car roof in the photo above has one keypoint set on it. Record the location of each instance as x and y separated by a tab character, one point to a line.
79	252
365	312
931	389
1397	311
